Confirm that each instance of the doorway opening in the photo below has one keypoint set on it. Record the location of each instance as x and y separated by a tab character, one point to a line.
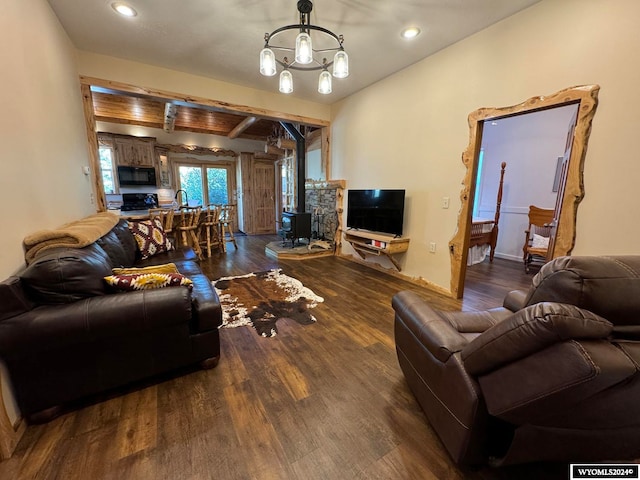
586	98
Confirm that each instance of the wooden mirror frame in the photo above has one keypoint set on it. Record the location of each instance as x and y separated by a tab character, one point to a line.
587	99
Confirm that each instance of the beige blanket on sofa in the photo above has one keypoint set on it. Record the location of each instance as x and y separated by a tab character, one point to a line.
76	234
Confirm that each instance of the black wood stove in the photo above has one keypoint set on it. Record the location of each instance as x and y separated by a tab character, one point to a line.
295	225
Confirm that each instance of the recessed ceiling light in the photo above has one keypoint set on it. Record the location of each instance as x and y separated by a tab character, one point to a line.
124	9
410	32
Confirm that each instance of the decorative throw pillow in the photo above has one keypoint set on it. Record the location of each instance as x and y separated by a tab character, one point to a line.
147	281
539	241
150	237
164	268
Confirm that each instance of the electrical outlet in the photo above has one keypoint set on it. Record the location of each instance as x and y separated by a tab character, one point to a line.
432	247
445	202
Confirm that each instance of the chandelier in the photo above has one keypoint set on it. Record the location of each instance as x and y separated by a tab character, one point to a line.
304	55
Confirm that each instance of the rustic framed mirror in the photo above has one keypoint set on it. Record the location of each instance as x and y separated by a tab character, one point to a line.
586	97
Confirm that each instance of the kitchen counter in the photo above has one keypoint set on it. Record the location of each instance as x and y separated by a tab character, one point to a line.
135	214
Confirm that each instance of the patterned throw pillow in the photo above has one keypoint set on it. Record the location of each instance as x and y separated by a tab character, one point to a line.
150	237
164	268
147	281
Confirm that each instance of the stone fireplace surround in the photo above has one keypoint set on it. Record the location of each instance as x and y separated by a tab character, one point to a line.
326	199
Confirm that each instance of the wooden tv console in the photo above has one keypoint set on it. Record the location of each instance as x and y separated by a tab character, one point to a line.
370	243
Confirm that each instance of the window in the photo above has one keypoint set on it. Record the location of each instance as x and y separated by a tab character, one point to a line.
476	200
205	183
105	153
190	178
217	185
288	184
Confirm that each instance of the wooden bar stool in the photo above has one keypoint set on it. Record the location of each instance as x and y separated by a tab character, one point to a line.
210	233
166	217
188	227
227	217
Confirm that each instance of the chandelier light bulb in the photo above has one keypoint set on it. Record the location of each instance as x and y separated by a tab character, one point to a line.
324	82
267	62
304	48
286	81
341	64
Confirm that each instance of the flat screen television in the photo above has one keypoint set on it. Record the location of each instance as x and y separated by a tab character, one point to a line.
376	210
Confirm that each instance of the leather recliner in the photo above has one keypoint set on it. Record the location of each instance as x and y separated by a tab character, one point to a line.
552	375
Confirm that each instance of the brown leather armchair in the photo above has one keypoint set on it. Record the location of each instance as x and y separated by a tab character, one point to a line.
552	375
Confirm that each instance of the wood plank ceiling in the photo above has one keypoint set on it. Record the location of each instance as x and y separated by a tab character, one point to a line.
148	112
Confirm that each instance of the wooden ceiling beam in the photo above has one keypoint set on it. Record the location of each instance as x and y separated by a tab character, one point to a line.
273	150
241	127
286	143
125	121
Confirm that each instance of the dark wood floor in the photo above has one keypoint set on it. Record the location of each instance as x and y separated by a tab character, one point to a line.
324	401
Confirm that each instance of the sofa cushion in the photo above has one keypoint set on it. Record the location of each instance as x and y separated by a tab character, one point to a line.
147	281
150	236
12	298
177	256
119	245
67	275
127	241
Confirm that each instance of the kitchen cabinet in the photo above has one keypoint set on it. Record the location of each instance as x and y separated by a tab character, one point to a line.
134	152
163	168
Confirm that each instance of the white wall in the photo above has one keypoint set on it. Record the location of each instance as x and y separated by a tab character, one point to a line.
409	130
530	145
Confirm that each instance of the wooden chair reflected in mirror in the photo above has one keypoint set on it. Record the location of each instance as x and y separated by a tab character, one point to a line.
537	236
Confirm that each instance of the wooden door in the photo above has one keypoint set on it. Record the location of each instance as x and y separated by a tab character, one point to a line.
264	198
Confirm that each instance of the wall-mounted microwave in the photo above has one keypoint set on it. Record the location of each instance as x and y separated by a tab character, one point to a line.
136	176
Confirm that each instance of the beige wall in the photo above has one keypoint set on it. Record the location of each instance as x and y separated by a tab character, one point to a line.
42	135
43	140
421	113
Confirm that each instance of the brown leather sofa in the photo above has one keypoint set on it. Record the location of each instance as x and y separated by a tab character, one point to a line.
65	335
552	375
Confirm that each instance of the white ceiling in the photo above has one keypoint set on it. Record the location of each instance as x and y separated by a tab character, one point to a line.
221	39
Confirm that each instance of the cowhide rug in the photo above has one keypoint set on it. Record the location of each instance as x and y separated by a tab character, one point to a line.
261	298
